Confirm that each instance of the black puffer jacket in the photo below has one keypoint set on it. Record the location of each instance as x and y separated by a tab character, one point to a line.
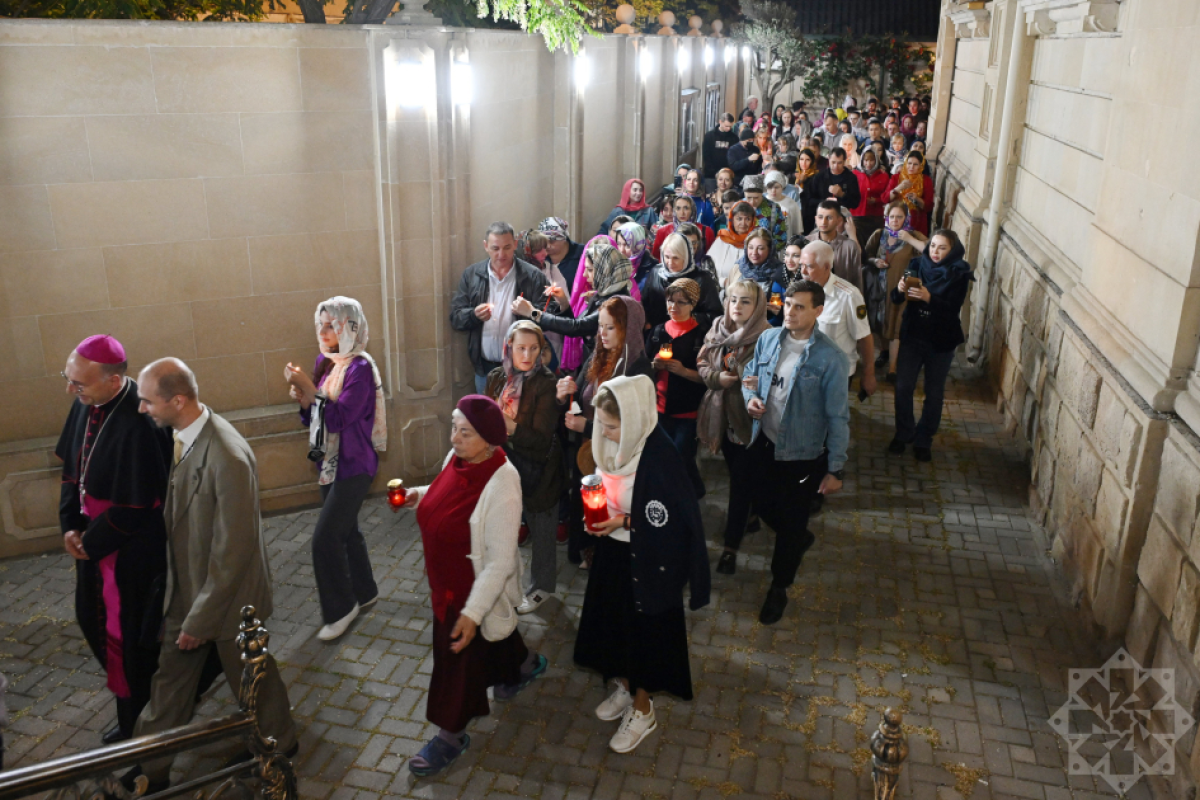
938	321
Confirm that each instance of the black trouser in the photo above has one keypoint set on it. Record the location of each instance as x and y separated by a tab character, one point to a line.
915	354
340	560
740	492
783	492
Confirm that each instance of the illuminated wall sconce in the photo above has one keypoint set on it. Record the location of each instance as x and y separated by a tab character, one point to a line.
683	60
412	84
583	71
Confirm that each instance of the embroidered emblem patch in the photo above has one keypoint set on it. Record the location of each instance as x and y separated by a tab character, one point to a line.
656	513
862	312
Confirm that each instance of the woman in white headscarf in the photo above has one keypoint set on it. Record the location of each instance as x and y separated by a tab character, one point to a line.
342	406
632	629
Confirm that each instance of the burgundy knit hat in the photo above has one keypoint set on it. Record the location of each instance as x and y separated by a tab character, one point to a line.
485	417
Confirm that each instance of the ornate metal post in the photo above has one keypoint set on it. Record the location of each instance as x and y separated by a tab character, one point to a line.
889	746
274	768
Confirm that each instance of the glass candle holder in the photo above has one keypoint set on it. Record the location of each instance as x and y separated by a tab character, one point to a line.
595	501
396	494
666	351
776	298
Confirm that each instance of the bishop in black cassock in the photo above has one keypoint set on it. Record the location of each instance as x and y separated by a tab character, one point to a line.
116	464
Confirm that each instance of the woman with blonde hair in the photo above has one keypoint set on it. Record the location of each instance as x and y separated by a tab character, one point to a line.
724	424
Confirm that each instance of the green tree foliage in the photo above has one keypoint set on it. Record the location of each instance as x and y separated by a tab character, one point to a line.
781	53
248	10
889	64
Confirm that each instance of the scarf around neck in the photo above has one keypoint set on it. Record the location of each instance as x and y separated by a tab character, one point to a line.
711	421
626	204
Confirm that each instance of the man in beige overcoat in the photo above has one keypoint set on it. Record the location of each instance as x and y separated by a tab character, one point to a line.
216	560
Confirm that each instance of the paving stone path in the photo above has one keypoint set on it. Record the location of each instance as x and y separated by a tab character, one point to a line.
928	589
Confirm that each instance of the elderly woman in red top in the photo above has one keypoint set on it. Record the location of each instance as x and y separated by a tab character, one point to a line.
469	518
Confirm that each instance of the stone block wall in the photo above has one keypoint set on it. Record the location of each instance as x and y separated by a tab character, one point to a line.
1088	282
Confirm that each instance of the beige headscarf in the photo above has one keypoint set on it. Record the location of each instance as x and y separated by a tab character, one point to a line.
346	316
639	416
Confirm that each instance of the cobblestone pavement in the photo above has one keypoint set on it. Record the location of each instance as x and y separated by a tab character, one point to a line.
927	589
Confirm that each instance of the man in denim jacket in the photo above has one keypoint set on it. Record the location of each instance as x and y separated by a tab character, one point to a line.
795	390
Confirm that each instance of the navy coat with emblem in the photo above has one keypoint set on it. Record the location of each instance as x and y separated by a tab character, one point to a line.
666	537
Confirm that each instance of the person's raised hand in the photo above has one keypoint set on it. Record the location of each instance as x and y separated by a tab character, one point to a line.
565	388
522	307
919	293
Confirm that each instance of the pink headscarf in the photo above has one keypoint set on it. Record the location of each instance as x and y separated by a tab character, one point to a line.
572	354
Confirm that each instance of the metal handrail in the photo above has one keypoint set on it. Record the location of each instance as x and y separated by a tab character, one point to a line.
273	769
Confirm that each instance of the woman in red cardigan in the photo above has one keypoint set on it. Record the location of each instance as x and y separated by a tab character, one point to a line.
915	189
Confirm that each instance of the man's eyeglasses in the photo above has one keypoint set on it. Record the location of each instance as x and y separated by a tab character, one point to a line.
76	385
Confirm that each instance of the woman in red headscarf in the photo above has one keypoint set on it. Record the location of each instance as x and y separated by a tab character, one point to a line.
633	205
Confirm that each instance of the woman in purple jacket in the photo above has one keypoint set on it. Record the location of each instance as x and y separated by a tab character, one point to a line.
342	406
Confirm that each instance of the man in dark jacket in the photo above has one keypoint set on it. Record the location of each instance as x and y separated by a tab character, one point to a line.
835	182
744	158
716	148
482	306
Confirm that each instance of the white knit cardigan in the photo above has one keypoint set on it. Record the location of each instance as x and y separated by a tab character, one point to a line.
495	524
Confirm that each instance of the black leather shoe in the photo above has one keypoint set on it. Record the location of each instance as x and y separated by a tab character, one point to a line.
896	447
772	610
113	735
727	564
923	453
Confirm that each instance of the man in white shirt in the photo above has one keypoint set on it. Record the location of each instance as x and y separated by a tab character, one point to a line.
844	317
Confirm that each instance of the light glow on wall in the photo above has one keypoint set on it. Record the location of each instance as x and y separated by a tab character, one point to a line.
730	52
583	71
708	55
645	63
683	60
462	83
412	84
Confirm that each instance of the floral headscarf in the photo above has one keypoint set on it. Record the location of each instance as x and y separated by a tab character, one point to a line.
890	239
555	229
916	179
345	315
634	236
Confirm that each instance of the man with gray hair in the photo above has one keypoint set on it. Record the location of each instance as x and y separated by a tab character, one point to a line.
216	562
482	306
844	316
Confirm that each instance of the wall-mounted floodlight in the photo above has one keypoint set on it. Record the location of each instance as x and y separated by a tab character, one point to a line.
708	55
583	71
683	59
462	83
412	84
645	62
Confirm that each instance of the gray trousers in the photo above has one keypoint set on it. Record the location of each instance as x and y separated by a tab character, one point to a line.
173	695
543	569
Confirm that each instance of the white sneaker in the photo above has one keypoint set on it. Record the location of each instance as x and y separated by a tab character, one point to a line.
635	727
533	601
335	629
616	704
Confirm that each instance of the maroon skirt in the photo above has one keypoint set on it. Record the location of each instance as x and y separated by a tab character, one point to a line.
458	687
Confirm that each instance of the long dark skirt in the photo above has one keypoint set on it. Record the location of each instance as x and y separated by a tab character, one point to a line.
458	687
648	650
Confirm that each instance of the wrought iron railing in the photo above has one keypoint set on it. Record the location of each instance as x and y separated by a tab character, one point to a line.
90	775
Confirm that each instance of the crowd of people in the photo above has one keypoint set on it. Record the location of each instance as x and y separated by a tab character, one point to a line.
731	310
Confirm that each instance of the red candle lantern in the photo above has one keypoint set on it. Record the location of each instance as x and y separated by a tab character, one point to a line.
595	501
396	494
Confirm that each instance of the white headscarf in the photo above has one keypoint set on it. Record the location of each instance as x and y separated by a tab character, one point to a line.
639	416
345	315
